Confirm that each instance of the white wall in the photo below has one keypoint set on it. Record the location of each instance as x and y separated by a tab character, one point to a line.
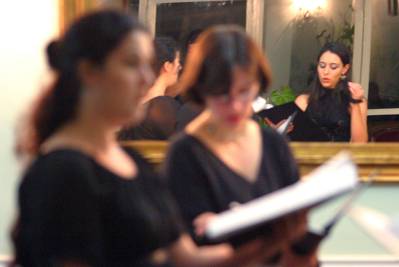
25	28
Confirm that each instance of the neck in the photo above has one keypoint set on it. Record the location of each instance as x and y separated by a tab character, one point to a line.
89	132
222	132
158	89
95	134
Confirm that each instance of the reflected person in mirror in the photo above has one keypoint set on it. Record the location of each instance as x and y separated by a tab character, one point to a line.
160	118
333	102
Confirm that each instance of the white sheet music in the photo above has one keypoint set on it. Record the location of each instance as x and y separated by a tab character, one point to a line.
336	176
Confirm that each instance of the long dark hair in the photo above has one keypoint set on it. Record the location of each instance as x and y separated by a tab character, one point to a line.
209	68
93	37
341	91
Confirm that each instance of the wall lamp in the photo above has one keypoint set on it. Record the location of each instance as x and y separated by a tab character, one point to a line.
308	7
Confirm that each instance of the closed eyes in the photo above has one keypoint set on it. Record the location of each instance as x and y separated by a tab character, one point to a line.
332	66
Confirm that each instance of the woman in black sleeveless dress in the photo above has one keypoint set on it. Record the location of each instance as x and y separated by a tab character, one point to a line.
334	103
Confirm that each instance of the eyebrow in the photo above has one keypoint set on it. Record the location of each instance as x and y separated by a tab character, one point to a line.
329	63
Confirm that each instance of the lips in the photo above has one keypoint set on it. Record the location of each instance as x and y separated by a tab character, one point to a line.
233	118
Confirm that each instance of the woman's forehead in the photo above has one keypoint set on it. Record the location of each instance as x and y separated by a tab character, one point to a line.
138	44
330	57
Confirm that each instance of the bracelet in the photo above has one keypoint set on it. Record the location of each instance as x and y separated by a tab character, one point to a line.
361	100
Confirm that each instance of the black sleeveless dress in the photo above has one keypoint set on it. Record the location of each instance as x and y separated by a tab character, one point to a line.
331	113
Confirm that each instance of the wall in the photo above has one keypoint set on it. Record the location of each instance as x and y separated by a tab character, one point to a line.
306	45
278	40
26	27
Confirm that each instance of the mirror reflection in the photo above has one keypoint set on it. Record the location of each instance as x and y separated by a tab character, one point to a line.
293	32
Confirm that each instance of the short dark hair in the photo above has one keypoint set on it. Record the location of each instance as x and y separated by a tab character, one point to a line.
165	51
209	67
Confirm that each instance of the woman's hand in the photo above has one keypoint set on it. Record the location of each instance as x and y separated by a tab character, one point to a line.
291	259
356	90
292	227
277	125
358	112
201	221
289	229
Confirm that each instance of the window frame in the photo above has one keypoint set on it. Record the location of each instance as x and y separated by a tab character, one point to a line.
362	52
254	15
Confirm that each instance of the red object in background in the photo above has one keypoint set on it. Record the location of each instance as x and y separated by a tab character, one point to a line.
386	135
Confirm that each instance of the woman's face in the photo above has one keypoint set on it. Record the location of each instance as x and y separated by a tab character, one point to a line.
330	69
125	78
232	109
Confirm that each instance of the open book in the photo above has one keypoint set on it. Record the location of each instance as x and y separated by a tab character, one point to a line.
379	226
305	129
335	177
284	126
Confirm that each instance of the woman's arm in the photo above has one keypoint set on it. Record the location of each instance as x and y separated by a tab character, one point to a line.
184	252
358	112
302	101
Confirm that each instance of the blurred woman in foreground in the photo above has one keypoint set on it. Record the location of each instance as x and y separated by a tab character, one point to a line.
223	157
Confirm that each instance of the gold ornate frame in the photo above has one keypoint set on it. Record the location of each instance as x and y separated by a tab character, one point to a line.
383	157
69	10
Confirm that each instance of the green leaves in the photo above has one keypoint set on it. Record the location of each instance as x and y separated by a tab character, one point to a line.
283	95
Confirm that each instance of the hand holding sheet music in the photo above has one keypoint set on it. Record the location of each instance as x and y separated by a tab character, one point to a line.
304	129
335	177
285	127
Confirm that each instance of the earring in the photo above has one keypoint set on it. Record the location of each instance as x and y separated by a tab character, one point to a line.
343	77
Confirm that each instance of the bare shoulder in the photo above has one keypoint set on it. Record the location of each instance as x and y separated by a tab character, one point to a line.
302	101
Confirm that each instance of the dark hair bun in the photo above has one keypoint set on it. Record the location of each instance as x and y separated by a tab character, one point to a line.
54	57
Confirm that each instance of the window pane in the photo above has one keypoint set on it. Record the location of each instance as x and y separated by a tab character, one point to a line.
179	19
384	58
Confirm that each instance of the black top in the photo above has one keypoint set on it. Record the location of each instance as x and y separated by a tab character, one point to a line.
331	113
187	112
159	123
201	182
305	129
72	208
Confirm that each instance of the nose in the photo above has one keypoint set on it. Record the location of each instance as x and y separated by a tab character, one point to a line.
236	104
147	76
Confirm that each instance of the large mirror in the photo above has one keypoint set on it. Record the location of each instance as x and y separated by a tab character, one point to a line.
291	33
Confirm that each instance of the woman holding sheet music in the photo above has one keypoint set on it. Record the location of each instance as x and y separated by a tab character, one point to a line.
223	157
337	105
